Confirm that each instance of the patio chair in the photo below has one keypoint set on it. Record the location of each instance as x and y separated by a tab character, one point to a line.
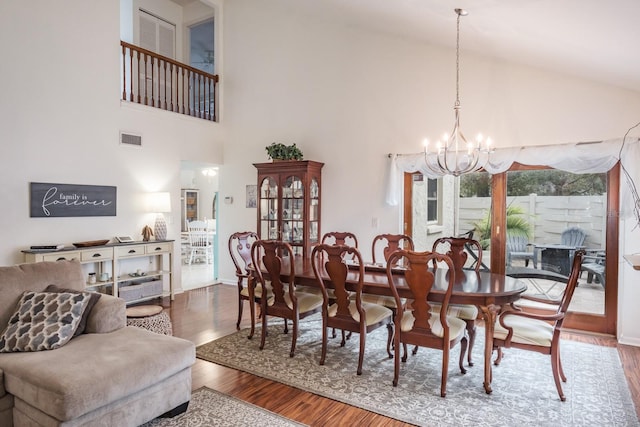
538	332
518	247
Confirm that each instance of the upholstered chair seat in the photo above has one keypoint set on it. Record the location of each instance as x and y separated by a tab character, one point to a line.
374	313
456	326
525	331
461	311
306	302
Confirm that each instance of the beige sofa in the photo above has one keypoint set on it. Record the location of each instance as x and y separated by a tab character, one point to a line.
111	375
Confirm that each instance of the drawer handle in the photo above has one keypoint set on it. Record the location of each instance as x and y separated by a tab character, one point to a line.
61	259
132	251
95	255
158	249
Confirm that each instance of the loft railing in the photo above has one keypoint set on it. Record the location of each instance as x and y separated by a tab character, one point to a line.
158	81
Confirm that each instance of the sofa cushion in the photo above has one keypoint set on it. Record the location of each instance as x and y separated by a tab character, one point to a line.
93	299
43	321
94	370
17	279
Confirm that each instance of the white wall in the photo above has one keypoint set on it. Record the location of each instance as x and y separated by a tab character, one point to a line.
348	97
345	96
60	118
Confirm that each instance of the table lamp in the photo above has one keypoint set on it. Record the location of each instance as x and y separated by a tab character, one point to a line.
160	203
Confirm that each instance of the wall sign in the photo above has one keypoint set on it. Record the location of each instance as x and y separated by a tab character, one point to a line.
64	200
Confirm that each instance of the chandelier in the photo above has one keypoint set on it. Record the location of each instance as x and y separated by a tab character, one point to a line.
454	155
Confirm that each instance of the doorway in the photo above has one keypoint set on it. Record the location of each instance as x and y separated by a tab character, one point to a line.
199	198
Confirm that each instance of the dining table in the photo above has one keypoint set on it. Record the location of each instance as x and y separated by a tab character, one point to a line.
490	292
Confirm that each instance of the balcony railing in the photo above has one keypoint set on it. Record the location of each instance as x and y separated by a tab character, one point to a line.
158	81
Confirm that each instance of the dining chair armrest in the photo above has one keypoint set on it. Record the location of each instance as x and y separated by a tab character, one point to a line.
544	317
542	300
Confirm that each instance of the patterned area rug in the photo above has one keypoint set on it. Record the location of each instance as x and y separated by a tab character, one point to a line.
211	408
524	393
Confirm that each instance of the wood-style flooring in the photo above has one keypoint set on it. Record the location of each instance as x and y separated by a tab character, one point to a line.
204	314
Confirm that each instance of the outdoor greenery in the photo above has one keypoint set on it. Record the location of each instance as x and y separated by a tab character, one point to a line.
279	151
545	182
517	225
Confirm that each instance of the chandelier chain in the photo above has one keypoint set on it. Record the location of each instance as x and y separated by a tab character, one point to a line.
457	104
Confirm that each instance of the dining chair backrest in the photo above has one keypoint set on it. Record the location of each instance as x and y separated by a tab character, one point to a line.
457	249
198	235
267	254
563	306
329	266
391	242
420	278
340	238
240	251
517	243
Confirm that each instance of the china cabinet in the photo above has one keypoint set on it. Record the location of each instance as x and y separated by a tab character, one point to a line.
189	199
289	203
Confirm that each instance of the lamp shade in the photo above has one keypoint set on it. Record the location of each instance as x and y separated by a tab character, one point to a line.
159	202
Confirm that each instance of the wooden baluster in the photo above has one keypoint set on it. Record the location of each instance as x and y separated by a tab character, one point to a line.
146	95
131	74
164	67
153	82
189	85
215	99
124	74
199	95
183	90
172	85
138	77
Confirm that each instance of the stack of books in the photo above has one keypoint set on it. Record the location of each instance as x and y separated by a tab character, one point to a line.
46	247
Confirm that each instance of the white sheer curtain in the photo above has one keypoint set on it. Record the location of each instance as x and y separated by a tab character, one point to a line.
595	157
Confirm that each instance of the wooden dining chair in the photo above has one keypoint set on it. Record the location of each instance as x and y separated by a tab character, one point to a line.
539	332
284	300
346	310
457	249
419	325
240	251
340	238
386	244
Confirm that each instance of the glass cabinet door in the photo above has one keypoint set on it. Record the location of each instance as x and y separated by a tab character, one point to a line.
269	209
293	210
314	214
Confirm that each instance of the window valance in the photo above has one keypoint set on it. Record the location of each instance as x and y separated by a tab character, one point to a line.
592	157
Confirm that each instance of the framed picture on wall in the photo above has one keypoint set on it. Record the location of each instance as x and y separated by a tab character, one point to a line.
252	191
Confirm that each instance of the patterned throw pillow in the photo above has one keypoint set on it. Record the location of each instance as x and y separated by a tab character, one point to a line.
94	297
43	321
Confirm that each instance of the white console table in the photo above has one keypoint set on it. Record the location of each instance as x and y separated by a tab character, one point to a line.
112	260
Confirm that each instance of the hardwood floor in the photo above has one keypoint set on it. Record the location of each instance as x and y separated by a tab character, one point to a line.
204	314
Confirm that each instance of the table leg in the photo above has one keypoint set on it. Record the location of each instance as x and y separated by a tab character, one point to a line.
252	304
489	313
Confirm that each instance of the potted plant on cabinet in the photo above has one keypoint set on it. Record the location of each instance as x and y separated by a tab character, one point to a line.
278	151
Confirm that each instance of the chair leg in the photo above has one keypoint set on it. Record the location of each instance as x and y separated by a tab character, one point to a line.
498	357
555	367
390	331
463	350
415	350
404	353
324	344
344	338
445	371
363	337
396	362
263	335
240	307
471	331
294	336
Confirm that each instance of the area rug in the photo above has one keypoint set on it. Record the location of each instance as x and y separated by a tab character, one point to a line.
524	393
211	408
